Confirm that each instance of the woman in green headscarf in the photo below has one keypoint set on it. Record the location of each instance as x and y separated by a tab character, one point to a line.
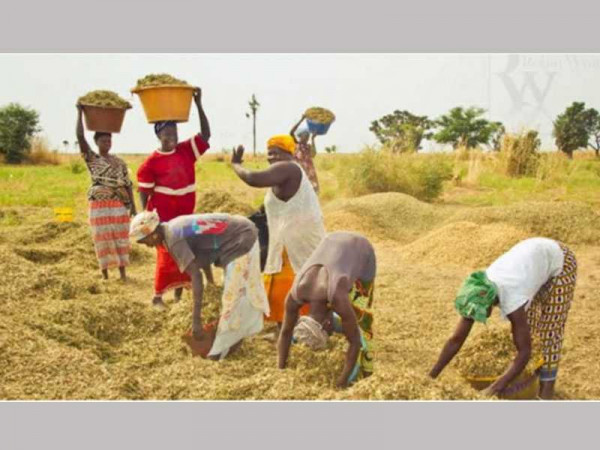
533	284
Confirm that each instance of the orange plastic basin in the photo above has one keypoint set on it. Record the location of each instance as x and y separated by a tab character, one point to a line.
166	102
104	119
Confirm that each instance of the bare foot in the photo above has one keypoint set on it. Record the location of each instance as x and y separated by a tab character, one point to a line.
157	302
271	337
178	294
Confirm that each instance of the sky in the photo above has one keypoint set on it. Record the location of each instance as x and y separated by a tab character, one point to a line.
520	90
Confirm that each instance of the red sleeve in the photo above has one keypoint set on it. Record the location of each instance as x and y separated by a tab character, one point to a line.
194	147
145	177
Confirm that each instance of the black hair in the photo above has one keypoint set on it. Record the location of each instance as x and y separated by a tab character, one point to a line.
99	134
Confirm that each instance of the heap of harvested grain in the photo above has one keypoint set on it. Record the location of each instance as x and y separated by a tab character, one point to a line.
216	200
570	222
490	353
160	79
389	215
464	244
410	384
107	99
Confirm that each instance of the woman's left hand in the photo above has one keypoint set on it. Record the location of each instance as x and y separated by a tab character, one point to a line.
200	345
197	95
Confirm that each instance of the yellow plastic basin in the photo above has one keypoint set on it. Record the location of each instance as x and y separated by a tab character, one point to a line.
166	102
524	387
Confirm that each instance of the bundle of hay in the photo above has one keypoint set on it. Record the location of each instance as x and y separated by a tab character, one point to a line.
105	99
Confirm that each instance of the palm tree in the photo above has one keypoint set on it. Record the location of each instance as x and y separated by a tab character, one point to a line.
253	103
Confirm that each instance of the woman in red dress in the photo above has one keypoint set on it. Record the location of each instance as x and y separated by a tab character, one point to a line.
167	184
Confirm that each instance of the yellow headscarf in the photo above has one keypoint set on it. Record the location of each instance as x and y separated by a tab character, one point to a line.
284	142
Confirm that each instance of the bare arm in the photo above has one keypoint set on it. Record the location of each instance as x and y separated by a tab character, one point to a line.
204	125
285	337
295	127
276	175
84	147
522	340
132	210
313	147
452	346
144	199
209	275
352	333
193	270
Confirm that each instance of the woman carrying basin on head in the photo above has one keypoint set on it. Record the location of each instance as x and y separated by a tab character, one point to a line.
167	183
305	151
110	199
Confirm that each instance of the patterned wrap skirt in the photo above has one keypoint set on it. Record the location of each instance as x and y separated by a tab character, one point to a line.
547	315
109	220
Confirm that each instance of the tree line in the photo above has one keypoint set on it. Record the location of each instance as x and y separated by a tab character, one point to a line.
576	128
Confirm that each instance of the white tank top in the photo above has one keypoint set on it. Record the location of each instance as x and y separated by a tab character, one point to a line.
296	225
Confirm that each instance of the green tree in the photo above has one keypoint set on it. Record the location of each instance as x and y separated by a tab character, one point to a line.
18	124
402	131
595	131
572	128
331	149
467	128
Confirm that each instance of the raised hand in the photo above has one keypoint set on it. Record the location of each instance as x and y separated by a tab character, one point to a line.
237	155
197	95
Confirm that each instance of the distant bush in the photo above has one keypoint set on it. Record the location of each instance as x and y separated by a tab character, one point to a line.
520	153
18	125
76	166
421	176
40	153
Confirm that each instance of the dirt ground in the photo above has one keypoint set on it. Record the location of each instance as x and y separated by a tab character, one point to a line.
66	334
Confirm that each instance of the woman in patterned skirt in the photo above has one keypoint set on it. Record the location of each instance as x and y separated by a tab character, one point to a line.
110	199
305	152
533	284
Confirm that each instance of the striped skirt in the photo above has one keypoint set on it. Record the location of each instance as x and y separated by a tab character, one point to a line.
109	220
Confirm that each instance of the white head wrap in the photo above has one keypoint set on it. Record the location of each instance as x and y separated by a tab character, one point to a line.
144	224
310	332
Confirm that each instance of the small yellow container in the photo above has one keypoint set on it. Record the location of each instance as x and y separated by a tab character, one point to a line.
166	102
525	387
63	214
